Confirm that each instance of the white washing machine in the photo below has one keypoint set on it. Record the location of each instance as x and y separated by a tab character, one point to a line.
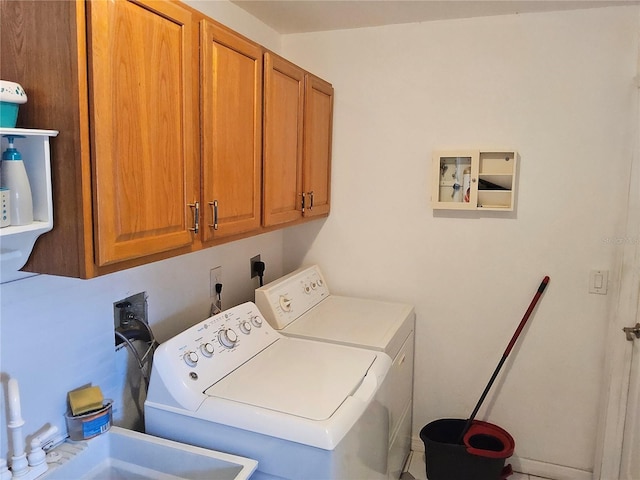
303	409
300	305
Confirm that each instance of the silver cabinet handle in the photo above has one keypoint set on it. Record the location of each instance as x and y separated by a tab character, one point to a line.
311	200
196	216
214	207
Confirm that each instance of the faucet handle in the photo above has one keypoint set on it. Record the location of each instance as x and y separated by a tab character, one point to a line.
36	455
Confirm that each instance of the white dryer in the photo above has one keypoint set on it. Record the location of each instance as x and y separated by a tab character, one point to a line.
300	305
303	409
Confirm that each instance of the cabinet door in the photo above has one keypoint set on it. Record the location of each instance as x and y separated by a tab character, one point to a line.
283	123
318	124
455	176
231	132
143	126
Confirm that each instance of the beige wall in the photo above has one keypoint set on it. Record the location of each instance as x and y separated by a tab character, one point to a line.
560	89
237	19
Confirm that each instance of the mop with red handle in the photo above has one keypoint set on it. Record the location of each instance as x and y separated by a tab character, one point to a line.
523	322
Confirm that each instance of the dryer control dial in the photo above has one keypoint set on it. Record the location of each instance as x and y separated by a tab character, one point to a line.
285	303
228	338
191	358
256	321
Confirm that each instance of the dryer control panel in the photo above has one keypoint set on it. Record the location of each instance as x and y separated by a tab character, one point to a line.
286	299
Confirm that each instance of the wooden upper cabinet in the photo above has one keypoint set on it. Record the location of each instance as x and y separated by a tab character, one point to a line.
231	105
144	117
318	126
298	118
118	80
160	114
283	130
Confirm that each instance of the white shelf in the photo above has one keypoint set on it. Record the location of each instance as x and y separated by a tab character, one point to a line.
16	242
32	227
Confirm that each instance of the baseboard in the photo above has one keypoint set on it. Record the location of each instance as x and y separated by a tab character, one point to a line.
548	470
417	445
529	466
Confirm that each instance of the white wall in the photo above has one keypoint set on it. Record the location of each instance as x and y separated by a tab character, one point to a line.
560	89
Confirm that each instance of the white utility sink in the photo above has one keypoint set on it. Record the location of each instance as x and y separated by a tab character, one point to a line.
125	454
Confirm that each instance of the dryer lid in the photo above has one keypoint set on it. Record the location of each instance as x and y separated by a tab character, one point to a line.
298	377
359	322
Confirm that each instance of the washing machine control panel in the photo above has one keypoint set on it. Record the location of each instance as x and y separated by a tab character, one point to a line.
286	299
203	354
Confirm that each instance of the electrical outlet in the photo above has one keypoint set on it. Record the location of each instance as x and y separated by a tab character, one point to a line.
215	276
127	315
134	306
253	270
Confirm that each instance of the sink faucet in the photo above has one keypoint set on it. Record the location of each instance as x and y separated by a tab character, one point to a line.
26	467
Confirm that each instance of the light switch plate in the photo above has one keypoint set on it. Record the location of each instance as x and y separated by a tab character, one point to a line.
598	281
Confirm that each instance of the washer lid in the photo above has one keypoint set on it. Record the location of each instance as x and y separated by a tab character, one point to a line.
367	323
298	377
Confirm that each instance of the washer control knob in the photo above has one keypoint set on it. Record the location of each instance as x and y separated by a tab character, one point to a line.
319	282
256	321
206	349
190	358
245	327
285	303
228	338
307	289
314	285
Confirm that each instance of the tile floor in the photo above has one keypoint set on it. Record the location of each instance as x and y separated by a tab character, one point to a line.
417	470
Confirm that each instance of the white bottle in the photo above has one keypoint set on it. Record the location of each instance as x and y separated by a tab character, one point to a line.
14	178
466	185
